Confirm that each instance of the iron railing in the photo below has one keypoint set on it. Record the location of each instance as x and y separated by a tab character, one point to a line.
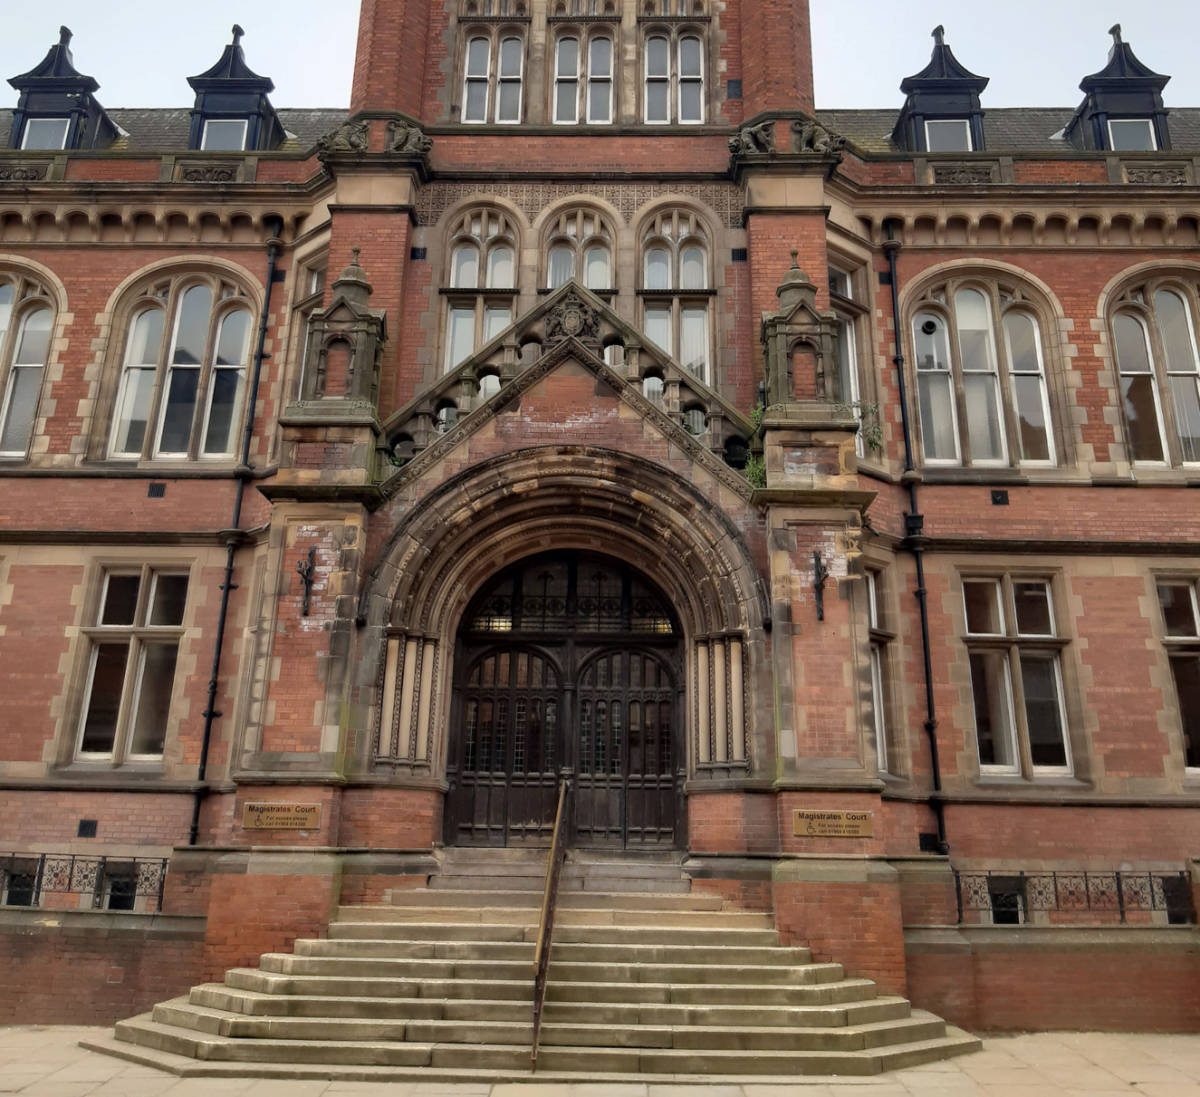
51	880
541	957
1003	897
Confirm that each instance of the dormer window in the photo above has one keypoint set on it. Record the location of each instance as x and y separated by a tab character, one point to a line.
941	111
232	112
45	133
224	135
1131	135
948	135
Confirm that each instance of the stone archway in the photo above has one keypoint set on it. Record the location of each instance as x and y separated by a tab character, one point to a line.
447	545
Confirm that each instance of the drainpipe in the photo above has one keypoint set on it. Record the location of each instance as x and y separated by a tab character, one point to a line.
233	536
914	542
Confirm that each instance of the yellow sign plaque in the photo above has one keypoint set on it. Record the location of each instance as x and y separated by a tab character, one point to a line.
833	824
281	816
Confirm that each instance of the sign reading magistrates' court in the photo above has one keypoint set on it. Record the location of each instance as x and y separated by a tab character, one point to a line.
281	816
833	824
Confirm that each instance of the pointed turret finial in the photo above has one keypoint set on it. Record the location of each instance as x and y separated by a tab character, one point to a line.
795	259
1115	31
939	35
354	254
64	36
238	34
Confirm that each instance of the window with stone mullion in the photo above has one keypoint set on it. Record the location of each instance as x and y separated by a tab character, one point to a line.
1180	606
26	324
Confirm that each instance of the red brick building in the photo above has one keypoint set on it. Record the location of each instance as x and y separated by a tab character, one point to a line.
814	487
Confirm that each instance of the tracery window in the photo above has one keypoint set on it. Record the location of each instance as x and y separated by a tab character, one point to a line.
675	289
583	78
579	245
480	282
1155	345
26	325
493	76
673	77
183	375
981	376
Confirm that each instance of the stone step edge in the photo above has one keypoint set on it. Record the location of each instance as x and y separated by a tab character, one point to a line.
956	1043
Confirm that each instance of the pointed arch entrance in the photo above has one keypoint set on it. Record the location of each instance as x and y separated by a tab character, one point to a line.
567	662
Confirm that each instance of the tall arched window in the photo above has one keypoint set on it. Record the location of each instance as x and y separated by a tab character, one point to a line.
579	244
583	79
183	376
981	376
493	77
480	282
26	324
673	77
675	289
1155	345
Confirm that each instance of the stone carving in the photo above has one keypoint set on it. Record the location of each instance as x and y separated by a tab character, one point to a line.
407	138
724	199
751	140
810	136
27	173
1170	175
348	137
964	174
209	173
573	318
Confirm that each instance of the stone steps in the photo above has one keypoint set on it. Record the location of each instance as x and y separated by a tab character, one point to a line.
437	983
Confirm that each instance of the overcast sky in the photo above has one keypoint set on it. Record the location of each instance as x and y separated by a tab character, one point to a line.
1035	51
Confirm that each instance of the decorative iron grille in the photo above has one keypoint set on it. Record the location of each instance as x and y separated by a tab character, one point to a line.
100	883
1075	897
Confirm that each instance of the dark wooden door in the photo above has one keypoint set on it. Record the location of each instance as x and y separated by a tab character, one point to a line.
567	665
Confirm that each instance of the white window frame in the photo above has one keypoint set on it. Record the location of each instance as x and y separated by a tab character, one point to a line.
1180	645
483	299
1149	129
24	308
1051	460
1011	644
593	79
469	76
1155	388
881	640
841	287
243	122
561	79
675	300
138	637
46	148
674	78
964	124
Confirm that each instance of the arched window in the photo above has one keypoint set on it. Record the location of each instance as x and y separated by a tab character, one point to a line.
583	79
26	324
981	376
1155	345
579	245
480	282
183	375
673	78
675	289
493	77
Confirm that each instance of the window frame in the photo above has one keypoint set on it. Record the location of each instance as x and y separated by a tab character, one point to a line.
310	290
1147	122
1139	302
1013	645
138	637
843	299
579	230
677	231
1002	299
481	299
29	298
675	79
204	145
66	124
494	79
964	123
165	294
882	647
1178	647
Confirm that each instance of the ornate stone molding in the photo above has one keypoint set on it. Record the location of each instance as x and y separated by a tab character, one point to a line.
1176	174
23	173
229	172
573	318
965	174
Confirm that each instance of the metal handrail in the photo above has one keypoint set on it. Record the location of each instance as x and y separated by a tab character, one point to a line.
541	956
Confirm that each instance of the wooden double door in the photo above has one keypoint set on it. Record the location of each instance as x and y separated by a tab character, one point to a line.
568	665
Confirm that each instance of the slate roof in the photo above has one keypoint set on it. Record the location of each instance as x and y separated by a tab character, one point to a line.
1005	129
167	129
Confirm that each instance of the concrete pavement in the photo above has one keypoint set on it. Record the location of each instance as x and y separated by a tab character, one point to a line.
46	1061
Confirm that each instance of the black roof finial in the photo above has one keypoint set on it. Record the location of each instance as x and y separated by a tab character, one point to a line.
64	36
1115	31
939	35
238	34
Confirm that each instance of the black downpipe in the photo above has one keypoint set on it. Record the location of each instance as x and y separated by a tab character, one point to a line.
914	542
234	538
